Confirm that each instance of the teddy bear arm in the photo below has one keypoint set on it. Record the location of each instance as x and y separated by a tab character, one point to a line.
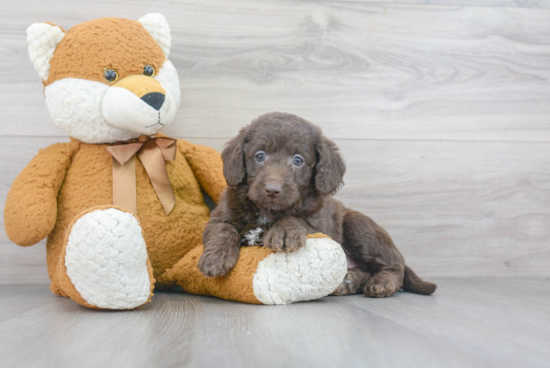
207	166
31	205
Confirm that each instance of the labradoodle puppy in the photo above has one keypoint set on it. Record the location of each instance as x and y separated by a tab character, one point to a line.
282	173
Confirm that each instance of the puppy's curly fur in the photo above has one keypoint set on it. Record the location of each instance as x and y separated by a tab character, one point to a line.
282	173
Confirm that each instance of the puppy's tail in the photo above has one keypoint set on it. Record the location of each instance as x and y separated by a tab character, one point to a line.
414	284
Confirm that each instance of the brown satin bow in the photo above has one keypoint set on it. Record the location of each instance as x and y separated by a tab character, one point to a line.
153	152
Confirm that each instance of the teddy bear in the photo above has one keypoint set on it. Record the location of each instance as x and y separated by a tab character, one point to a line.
121	204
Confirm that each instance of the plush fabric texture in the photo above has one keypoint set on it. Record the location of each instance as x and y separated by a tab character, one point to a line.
82	104
38	206
173	242
88	183
158	27
262	276
311	272
123	108
31	206
98	275
82	54
106	260
99	255
236	285
43	38
73	100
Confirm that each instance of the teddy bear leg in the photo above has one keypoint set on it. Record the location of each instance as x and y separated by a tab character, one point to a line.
104	262
262	276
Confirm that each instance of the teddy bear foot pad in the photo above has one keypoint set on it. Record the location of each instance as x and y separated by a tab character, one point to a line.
106	260
310	273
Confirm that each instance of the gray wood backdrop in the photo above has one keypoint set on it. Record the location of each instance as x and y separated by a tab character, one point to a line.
441	109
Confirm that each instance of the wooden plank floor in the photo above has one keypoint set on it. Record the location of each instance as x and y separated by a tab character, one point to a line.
471	322
440	107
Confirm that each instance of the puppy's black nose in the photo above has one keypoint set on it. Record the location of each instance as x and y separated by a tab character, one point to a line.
273	190
154	99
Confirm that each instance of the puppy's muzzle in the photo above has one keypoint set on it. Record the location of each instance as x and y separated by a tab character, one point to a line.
273	189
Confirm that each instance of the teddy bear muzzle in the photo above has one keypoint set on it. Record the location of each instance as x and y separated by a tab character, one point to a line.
137	103
154	99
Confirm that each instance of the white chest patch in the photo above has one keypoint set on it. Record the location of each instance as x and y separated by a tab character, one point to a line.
253	237
263	221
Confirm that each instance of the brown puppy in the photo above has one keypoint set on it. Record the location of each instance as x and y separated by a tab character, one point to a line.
282	173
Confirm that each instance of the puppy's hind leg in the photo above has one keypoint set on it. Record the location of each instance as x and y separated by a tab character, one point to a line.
354	283
373	250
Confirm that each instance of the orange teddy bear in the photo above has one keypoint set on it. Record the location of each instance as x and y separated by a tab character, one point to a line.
120	203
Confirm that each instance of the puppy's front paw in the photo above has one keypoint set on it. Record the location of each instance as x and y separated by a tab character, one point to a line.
281	239
219	262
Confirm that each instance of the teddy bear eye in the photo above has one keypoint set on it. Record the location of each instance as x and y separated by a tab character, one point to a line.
110	75
148	70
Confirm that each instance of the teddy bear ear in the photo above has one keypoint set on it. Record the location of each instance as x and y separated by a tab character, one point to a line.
158	27
43	38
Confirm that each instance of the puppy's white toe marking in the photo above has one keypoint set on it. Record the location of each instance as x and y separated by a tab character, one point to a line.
106	260
311	272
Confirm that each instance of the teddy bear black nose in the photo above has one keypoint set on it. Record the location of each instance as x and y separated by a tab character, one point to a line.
154	99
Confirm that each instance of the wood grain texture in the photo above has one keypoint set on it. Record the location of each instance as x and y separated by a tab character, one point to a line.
23	265
454	209
492	3
468	323
360	70
441	111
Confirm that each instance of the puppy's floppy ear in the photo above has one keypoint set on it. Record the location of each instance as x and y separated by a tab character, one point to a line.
330	167
234	169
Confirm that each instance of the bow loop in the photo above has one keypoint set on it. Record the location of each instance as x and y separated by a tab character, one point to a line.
124	152
168	147
153	152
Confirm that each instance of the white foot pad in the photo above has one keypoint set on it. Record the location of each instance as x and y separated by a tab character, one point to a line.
106	260
312	272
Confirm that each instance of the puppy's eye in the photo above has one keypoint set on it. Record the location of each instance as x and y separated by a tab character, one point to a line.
260	156
298	160
149	71
110	75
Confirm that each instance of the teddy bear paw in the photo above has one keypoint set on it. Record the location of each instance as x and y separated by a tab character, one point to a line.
312	272
106	260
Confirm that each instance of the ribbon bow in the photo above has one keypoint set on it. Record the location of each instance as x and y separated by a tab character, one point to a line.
153	152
